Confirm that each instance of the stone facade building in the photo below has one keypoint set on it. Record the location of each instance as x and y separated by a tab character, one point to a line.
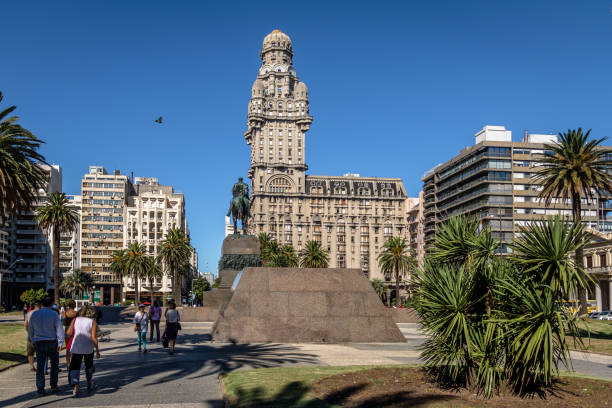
351	216
598	264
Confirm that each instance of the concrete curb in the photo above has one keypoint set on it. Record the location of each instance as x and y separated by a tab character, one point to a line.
591	357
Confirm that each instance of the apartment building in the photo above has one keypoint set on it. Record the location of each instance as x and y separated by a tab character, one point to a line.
414	227
493	181
104	199
351	216
151	211
70	242
5	272
29	248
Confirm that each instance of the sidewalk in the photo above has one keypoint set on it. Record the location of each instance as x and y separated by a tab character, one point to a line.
189	379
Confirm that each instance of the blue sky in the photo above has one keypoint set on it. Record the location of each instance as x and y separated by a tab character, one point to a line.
395	87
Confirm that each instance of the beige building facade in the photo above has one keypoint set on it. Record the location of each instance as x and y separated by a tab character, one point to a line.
351	216
151	212
598	264
414	227
104	198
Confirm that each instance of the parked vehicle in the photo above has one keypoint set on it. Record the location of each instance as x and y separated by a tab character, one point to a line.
605	315
594	315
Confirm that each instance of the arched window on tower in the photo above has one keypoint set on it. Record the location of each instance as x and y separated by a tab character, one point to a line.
280	185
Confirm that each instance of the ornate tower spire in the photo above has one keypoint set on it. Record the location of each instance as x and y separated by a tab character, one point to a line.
278	119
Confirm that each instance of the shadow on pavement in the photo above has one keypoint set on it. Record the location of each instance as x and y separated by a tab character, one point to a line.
193	360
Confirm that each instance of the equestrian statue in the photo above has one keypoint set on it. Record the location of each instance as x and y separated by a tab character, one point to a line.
239	206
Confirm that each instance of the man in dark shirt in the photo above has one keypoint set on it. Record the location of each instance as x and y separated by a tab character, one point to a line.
46	333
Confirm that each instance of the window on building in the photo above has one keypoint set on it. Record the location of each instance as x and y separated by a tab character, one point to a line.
602	260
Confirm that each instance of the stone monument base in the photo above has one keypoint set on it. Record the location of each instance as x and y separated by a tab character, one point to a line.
237	252
297	305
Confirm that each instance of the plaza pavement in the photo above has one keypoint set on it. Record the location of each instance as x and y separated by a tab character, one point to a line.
189	379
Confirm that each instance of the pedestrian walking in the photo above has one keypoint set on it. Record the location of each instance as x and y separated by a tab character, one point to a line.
69	314
155	316
26	309
141	321
45	331
84	340
29	345
173	324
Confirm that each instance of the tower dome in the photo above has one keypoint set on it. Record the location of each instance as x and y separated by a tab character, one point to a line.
277	40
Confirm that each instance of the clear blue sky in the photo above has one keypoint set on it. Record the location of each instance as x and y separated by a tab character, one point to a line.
395	87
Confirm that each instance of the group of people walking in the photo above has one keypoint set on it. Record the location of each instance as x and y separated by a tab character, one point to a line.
46	335
143	319
48	329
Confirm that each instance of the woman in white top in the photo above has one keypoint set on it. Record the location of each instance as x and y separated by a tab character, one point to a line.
141	323
82	348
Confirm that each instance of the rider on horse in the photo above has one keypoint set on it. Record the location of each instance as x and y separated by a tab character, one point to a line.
239	206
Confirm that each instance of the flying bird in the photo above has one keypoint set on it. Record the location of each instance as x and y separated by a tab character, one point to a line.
158	120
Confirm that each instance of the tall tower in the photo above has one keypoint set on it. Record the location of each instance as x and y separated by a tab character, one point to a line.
277	121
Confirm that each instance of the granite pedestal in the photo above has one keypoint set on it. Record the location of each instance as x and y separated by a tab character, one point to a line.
297	305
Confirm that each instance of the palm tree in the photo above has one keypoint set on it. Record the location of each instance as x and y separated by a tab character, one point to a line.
56	217
379	287
20	175
461	241
137	263
577	168
152	272
395	259
265	240
291	259
313	256
117	266
174	254
545	250
77	282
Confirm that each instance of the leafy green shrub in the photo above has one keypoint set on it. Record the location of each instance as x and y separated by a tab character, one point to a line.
493	322
32	295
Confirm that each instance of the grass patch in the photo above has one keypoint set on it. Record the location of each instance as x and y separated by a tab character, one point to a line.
279	386
12	345
387	386
598	338
17	313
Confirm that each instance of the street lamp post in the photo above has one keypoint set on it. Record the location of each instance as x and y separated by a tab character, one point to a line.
8	269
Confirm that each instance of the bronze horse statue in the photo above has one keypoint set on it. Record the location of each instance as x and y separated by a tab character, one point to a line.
239	205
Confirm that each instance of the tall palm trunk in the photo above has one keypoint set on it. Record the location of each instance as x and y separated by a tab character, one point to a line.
176	287
397	285
56	282
136	290
577	213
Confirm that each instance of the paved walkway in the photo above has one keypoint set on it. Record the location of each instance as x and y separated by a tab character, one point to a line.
189	379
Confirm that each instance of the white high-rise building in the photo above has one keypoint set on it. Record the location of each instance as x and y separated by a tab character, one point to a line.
150	213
